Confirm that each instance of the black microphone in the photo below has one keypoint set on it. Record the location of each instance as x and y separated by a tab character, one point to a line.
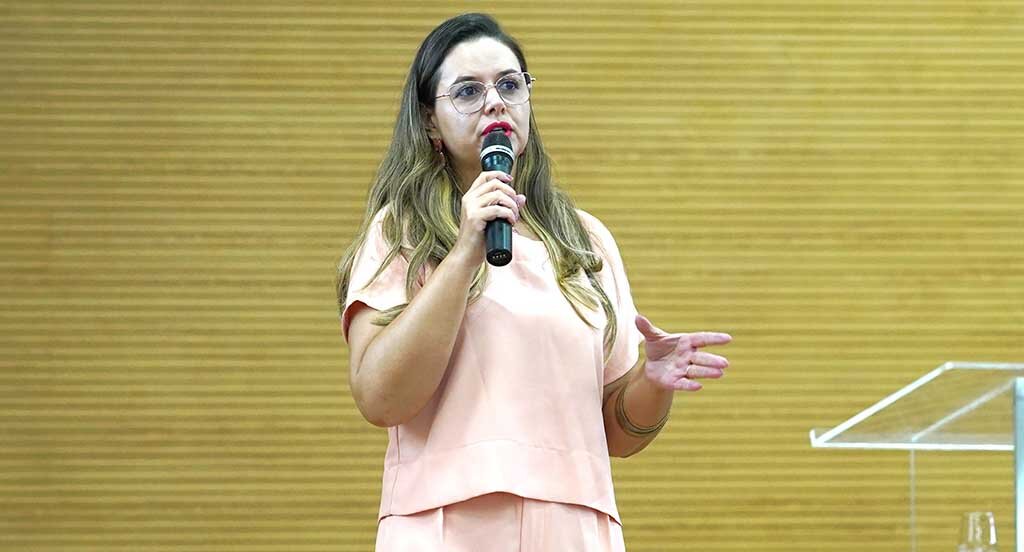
496	155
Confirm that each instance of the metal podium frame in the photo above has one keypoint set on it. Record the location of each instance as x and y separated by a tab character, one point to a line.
957	406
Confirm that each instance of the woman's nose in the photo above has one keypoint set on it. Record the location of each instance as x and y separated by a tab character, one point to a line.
493	102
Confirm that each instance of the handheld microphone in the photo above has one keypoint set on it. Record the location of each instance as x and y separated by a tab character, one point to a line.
496	155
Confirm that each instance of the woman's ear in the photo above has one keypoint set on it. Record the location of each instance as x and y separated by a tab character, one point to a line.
430	122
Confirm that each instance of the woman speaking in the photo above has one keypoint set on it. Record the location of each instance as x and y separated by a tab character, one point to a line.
504	389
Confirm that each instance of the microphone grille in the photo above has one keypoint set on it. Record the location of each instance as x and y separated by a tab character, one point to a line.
496	142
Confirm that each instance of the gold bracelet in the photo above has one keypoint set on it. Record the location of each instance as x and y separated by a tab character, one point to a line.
629	427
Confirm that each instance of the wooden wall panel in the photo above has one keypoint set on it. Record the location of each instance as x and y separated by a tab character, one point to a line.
837	184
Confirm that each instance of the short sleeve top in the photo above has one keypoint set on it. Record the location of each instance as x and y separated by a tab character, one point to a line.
519	407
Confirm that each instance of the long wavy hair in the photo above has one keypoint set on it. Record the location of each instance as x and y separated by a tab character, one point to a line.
423	200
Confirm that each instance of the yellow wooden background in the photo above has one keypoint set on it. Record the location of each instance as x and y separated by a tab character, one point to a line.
838	184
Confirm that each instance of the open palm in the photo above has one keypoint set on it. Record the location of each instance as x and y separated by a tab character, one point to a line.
675	361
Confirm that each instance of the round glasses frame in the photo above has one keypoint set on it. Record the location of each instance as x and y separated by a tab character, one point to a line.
530	79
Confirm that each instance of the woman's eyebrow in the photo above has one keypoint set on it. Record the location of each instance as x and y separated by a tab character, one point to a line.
464	78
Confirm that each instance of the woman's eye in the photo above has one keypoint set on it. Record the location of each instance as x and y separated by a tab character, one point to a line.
467	91
508	84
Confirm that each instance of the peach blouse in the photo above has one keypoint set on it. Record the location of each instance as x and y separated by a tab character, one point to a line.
519	408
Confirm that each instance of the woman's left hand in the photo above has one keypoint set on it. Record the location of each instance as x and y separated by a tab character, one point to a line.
675	361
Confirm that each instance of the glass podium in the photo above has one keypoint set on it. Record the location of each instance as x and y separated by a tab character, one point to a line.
957	406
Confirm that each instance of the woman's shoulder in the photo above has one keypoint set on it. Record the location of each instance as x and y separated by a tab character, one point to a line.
594	226
588	220
378	217
381	217
601	238
380	220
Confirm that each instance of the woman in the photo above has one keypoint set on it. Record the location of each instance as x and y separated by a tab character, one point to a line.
504	390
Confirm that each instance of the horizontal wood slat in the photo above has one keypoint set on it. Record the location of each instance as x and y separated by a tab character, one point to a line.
837	184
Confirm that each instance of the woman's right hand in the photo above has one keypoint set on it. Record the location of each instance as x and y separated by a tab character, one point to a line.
489	197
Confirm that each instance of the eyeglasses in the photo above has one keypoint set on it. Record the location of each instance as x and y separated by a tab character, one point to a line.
468	96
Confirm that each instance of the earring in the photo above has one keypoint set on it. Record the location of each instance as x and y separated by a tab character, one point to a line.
439	148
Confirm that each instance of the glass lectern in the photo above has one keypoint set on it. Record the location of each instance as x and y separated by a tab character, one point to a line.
957	406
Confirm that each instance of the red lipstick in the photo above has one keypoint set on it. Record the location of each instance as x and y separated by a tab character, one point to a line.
507	128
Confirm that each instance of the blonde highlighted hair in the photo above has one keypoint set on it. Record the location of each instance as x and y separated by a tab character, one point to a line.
423	199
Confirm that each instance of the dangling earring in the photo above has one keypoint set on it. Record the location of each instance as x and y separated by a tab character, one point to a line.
439	148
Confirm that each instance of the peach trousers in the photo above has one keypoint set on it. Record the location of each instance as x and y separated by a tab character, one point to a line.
501	522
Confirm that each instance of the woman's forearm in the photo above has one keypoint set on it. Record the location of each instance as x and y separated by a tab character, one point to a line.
644	403
404	364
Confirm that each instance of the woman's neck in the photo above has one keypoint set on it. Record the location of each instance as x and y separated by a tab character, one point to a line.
465	177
